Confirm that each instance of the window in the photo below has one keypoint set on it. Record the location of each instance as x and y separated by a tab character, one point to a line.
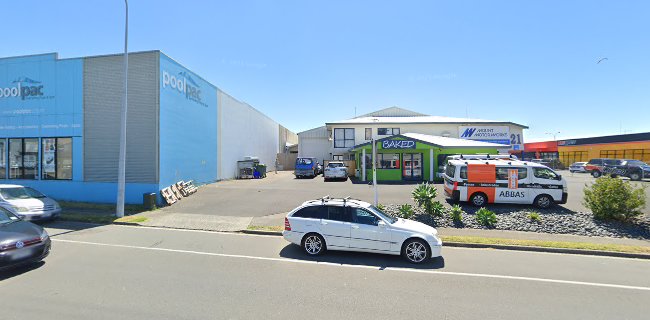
387	131
368	133
314	212
338	213
306	161
450	171
638	154
337	157
335	165
503	172
388	160
3	159
362	216
545	173
463	172
56	158
23	158
352	156
343	138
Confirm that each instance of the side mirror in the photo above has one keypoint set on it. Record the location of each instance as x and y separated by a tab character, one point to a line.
381	224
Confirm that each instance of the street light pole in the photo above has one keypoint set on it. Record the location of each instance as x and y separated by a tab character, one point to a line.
374	170
121	171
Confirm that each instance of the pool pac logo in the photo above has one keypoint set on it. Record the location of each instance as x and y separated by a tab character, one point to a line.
183	84
23	87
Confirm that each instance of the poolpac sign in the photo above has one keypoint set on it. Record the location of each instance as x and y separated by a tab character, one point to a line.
494	134
183	84
22	88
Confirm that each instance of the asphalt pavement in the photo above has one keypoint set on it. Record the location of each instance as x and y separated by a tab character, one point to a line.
108	272
279	193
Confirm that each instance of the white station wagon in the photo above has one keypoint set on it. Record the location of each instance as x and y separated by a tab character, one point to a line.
353	225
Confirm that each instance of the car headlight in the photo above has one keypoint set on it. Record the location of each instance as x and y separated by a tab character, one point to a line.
44	235
21	209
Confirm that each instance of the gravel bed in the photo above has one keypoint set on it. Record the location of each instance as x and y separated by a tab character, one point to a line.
555	220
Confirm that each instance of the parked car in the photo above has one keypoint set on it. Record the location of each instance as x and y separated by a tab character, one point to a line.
354	225
595	166
21	242
499	181
335	170
634	169
306	167
28	203
578	167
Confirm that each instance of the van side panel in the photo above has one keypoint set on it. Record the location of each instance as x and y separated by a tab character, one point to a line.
479	177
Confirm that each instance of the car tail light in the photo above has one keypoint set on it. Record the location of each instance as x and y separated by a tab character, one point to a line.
287	225
455	185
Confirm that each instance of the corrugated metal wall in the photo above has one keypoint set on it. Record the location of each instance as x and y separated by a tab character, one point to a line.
244	131
103	90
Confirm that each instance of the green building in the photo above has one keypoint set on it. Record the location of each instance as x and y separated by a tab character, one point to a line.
415	156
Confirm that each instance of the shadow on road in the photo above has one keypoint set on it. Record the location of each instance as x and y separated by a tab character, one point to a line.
16	271
381	261
67	226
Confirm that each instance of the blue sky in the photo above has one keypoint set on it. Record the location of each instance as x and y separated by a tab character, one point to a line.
307	62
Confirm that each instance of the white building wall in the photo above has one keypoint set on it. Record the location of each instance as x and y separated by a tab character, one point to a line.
315	143
243	131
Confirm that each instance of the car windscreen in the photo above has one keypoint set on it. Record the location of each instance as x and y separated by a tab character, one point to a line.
612	162
20	193
381	214
334	165
6	216
303	161
450	171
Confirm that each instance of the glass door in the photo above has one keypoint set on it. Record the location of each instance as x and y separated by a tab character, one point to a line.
412	169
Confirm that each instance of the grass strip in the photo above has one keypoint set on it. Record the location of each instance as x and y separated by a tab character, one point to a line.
548	244
266	228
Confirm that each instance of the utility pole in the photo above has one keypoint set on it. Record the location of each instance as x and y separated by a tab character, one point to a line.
121	171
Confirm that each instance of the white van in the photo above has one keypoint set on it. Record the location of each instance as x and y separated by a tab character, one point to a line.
503	181
27	203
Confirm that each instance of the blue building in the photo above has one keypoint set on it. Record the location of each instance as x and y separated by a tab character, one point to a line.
59	126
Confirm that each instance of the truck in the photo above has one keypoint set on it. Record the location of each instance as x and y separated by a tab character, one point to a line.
306	167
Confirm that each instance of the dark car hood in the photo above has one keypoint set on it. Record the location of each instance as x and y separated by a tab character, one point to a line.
20	230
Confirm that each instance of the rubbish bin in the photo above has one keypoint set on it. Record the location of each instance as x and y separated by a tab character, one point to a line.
261	168
149	201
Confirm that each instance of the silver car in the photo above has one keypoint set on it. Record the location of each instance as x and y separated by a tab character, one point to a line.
578	167
27	203
335	170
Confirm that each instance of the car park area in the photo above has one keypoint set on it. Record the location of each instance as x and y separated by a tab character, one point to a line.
282	192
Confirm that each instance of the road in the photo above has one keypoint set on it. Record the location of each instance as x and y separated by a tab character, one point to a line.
119	272
282	192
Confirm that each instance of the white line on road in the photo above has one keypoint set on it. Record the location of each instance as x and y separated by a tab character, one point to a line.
477	275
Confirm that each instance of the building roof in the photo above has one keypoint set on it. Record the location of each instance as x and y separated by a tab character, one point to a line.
392	112
421	120
442	142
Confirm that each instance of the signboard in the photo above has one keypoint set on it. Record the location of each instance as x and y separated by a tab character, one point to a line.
398	144
493	134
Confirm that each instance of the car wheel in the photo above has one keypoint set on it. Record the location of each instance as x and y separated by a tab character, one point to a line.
416	251
478	199
614	176
543	201
635	176
596	174
313	244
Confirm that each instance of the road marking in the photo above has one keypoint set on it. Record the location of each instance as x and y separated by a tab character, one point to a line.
446	273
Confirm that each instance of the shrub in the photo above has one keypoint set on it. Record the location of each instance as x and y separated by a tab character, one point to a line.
406	211
437	209
457	213
612	198
424	195
534	216
486	217
381	207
